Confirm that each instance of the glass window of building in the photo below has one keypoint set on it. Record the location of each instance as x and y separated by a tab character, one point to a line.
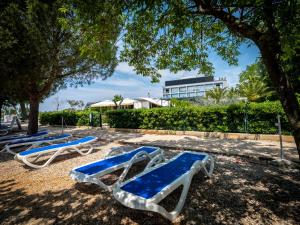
209	86
182	95
191	88
167	90
201	88
175	95
182	89
174	90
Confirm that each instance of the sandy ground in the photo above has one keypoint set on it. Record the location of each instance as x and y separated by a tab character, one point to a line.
241	191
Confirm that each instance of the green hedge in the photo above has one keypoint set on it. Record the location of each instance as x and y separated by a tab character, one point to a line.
71	118
261	118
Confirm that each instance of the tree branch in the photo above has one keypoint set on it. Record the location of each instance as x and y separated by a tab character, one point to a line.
230	21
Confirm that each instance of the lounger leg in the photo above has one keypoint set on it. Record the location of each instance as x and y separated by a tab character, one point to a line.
3	149
25	160
36	158
91	148
7	149
211	167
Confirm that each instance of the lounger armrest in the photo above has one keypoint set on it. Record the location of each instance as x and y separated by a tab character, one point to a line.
117	150
154	161
129	164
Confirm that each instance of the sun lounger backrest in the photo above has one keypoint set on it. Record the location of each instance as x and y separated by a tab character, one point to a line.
57	146
57	137
159	178
101	165
43	133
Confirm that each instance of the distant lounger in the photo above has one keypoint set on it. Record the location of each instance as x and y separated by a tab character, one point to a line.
147	189
4	130
34	143
8	126
15	138
35	153
92	172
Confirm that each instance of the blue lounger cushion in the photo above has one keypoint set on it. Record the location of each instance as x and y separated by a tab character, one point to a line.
58	146
45	139
150	184
42	133
104	164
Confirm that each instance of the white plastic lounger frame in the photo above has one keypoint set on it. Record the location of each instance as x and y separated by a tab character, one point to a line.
4	131
152	204
14	138
157	154
57	151
10	136
34	143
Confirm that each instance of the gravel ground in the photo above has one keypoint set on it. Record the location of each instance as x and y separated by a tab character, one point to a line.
240	192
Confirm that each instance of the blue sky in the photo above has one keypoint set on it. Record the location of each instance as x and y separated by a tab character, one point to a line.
125	82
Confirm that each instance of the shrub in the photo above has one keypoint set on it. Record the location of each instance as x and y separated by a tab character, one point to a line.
261	118
71	118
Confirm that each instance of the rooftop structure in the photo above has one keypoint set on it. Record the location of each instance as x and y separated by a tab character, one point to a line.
133	103
191	87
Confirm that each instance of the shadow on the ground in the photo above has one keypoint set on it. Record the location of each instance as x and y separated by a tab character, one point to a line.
239	192
102	134
223	146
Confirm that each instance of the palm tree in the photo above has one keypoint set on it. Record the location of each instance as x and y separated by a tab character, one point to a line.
216	94
254	89
232	95
255	84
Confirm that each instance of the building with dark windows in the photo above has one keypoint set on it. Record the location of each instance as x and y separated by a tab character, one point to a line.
191	87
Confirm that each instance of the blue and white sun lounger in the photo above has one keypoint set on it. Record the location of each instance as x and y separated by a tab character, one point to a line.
57	149
92	172
14	138
147	189
34	143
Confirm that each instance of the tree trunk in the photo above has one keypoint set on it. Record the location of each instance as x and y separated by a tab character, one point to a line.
33	124
286	92
1	104
23	111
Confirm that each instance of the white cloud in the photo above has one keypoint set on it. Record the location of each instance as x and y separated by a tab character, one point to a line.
130	82
125	68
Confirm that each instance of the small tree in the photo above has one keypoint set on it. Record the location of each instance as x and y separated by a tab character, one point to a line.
216	94
118	99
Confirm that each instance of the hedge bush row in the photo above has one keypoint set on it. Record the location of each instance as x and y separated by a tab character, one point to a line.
71	118
261	118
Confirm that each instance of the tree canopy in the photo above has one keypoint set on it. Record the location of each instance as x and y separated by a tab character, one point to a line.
45	47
